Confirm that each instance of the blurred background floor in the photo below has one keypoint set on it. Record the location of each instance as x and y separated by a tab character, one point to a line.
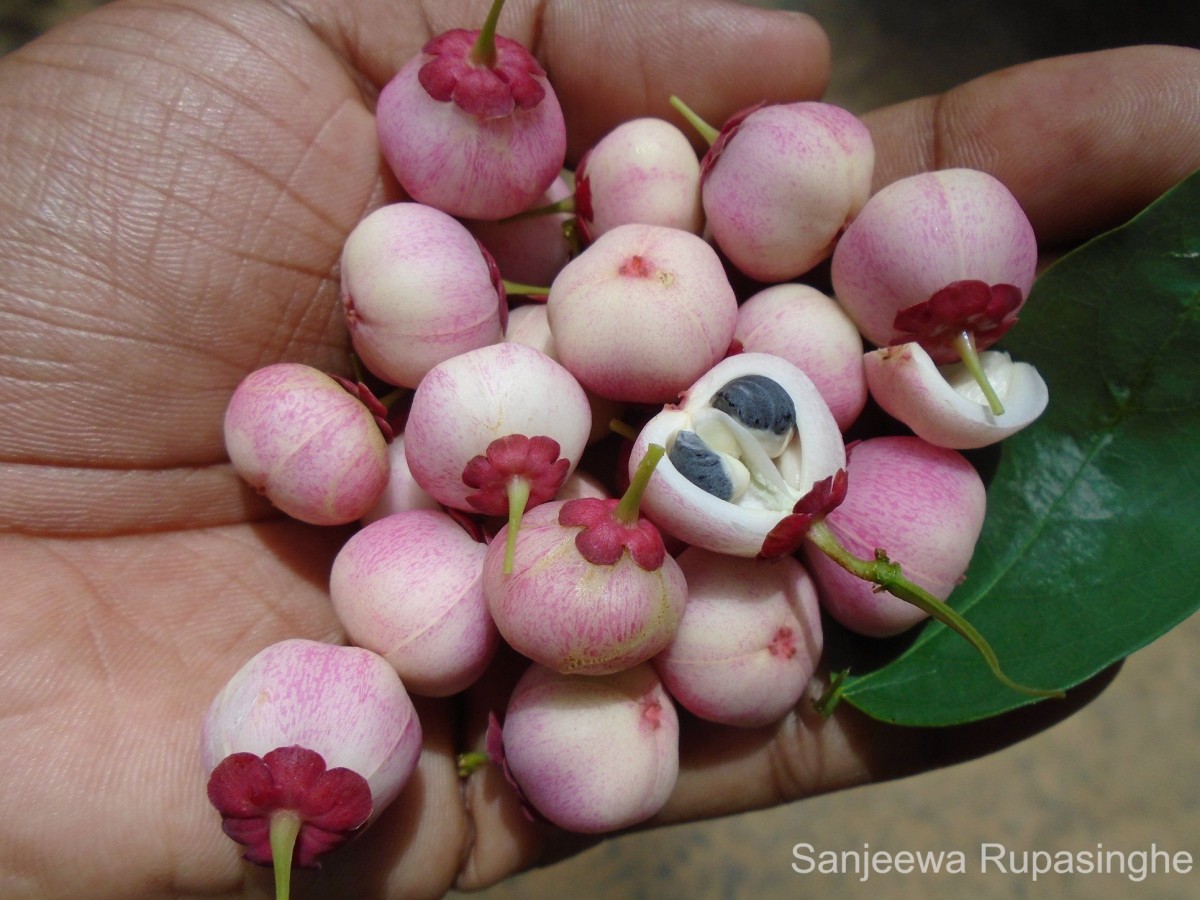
1123	773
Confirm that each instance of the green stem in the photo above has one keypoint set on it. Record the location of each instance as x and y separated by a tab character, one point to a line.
706	131
965	345
565	205
574	239
627	510
285	828
484	51
616	426
471	760
391	398
518	497
885	573
523	290
832	696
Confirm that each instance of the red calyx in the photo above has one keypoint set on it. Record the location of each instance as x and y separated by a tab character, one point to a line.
515	456
584	215
637	267
497	283
494	745
603	538
331	803
824	497
986	312
371	402
783	645
724	136
488	92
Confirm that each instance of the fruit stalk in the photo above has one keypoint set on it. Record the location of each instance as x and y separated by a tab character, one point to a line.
627	510
706	131
964	343
285	828
518	499
887	574
483	53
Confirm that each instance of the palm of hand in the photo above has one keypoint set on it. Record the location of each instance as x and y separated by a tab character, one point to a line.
196	175
145	578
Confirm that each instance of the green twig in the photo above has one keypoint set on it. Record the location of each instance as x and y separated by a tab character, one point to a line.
885	573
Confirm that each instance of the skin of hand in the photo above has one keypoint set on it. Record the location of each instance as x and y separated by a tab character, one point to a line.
179	178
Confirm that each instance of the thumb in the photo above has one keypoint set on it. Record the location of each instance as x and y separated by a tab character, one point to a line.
609	60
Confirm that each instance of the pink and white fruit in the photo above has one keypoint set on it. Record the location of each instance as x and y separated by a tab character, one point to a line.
530	325
562	608
592	753
924	505
306	443
583	484
311	731
945	405
402	491
780	184
643	171
476	137
924	233
418	289
812	332
749	640
529	250
642	313
772	478
409	587
473	399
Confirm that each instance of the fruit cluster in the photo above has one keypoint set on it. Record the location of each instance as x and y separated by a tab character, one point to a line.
488	516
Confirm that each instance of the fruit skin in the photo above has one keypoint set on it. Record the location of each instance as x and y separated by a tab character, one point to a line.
749	640
592	753
417	289
944	405
467	402
780	184
530	325
922	233
575	616
811	331
402	492
533	250
642	313
311	447
345	703
643	171
923	505
409	587
468	165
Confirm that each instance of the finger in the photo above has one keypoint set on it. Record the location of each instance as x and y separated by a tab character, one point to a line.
612	61
609	60
727	770
1083	141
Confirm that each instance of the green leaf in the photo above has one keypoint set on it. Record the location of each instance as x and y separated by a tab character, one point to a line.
1093	525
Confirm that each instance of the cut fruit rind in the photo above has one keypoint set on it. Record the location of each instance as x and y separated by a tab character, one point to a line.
686	511
944	405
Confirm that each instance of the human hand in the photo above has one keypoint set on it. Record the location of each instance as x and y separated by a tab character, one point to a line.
179	182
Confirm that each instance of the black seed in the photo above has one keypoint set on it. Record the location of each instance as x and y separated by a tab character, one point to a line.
700	464
758	403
